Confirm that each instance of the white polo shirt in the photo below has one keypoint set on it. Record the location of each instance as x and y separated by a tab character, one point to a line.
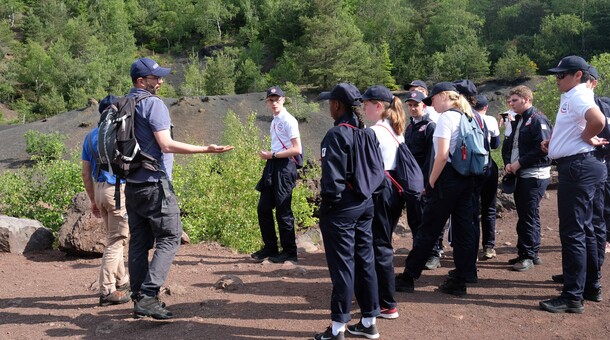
447	127
566	139
284	127
387	143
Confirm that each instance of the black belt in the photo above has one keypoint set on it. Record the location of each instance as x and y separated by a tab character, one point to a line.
575	157
141	185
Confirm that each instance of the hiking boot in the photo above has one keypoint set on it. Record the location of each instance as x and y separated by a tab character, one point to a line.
125	288
607	247
359	329
328	335
453	286
452	275
433	263
283	257
404	283
489	253
263	253
523	265
389	313
115	298
150	306
594	295
562	305
536	260
557	278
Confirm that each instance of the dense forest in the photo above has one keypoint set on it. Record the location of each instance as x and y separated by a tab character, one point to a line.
58	53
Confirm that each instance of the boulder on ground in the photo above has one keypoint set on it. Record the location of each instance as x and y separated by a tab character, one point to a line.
82	234
22	235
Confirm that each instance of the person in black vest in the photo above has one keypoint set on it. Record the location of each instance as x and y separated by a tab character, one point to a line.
346	222
524	158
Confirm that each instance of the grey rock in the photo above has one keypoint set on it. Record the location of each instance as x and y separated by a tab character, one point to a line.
229	283
22	235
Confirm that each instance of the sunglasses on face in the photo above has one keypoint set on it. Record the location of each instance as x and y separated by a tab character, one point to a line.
561	75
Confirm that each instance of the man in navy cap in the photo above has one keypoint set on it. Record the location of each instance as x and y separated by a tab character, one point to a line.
154	216
278	179
572	146
420	86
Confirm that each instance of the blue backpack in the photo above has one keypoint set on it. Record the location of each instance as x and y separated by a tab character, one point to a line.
409	179
365	171
470	157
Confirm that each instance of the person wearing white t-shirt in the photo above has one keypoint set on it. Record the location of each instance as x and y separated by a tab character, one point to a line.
489	186
574	139
277	182
383	108
445	193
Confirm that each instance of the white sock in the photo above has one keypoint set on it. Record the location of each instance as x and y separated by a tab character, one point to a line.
338	327
367	322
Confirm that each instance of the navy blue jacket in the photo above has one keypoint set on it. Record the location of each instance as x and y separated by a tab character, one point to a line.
336	155
418	137
531	134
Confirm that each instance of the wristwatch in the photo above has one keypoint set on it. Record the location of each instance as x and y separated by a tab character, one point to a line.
273	156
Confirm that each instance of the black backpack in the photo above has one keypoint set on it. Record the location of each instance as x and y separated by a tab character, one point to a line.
118	150
604	106
409	179
365	170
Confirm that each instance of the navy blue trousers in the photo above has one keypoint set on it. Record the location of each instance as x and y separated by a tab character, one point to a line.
452	196
528	193
579	178
348	243
600	228
489	190
388	207
276	185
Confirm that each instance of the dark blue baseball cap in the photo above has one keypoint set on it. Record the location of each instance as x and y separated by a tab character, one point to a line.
570	63
465	87
378	92
481	102
419	83
145	67
275	91
107	101
438	88
593	72
344	92
415	96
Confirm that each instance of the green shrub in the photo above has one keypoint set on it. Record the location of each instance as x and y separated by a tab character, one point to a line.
297	104
216	192
512	66
43	147
42	193
547	98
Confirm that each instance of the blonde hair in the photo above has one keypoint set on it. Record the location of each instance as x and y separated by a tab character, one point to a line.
395	113
459	102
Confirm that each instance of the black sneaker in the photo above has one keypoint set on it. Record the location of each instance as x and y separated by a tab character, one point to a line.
328	335
557	278
594	295
471	280
150	306
404	283
263	254
562	305
283	257
359	329
453	286
536	260
523	265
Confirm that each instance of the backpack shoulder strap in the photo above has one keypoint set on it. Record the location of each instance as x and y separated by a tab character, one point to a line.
390	132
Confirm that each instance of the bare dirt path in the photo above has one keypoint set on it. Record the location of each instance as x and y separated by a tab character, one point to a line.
48	295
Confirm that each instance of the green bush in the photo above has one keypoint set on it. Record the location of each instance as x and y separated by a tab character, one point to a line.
43	147
216	192
297	104
547	98
512	66
42	193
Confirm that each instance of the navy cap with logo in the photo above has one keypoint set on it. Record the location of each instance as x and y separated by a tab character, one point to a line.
481	102
570	63
145	67
346	93
107	101
593	72
465	87
378	92
419	83
415	96
438	88
275	91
